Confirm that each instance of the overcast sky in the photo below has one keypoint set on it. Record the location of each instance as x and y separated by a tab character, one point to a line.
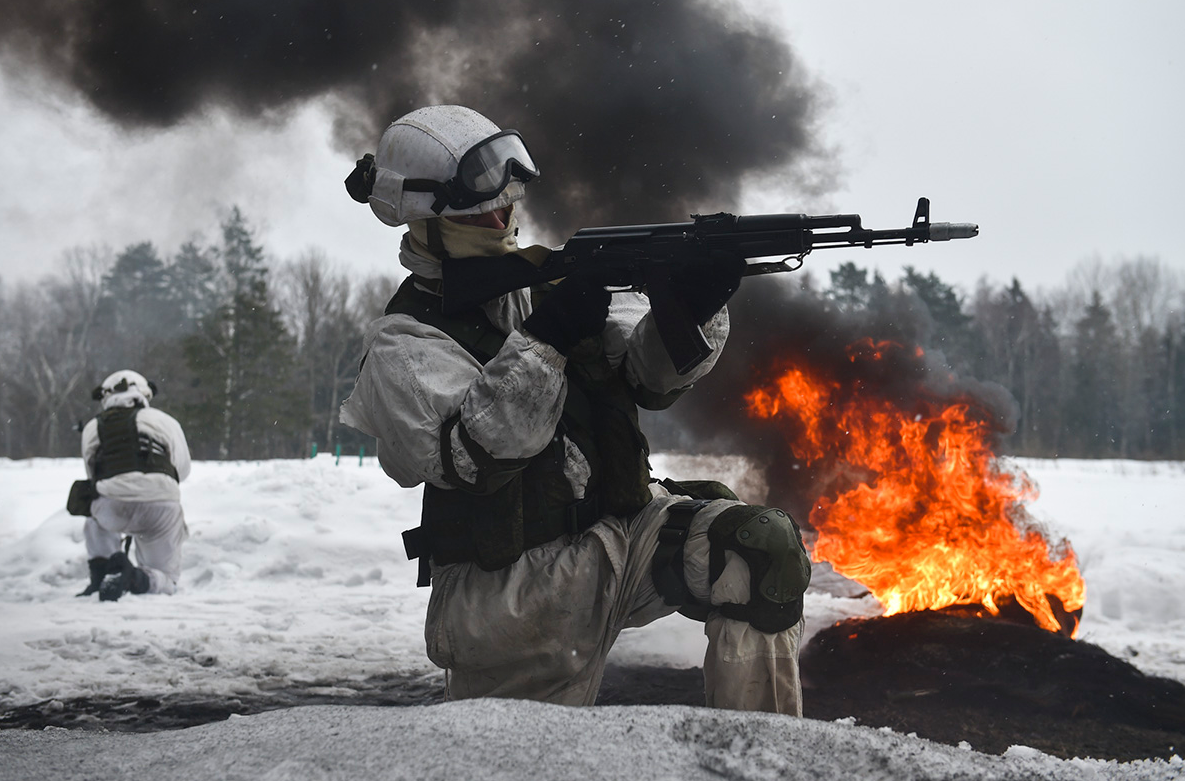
1056	126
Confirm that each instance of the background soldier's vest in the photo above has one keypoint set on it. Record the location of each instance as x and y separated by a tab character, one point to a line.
122	448
536	505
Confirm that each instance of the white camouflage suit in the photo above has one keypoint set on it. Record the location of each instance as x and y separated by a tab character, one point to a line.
542	627
146	505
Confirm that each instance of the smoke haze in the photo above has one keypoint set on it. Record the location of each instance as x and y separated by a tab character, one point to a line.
636	111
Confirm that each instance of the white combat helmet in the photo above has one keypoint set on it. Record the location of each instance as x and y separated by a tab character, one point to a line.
124	381
442	161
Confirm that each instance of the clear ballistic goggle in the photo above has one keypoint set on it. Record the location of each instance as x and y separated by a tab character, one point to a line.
483	171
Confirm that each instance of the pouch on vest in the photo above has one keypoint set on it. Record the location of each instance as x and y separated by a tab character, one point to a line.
487	530
82	493
621	449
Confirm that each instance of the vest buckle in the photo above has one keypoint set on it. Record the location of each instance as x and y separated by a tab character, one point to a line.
582	514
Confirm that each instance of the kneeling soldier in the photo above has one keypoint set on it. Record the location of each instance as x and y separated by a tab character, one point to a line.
543	534
135	456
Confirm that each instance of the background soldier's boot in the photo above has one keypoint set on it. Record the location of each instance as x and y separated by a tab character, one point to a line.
98	567
122	576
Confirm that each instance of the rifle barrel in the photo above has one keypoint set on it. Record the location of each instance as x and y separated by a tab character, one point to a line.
944	231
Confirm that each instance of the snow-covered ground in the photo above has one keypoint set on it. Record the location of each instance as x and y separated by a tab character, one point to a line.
294	574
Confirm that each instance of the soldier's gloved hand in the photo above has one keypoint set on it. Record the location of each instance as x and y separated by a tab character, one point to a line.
707	286
575	309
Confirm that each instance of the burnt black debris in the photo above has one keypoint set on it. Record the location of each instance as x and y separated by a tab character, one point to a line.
993	684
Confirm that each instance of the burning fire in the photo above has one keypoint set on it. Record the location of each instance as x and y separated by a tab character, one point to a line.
925	519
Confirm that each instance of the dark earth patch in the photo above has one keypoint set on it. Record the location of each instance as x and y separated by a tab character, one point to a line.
180	710
993	684
946	678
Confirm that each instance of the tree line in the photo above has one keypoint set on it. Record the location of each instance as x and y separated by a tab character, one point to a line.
254	356
1095	366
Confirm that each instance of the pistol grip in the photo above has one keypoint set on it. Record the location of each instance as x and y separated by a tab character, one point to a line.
683	338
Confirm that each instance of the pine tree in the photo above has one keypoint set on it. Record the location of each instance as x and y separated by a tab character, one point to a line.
952	326
192	281
134	310
849	287
1092	418
1174	388
1048	358
243	361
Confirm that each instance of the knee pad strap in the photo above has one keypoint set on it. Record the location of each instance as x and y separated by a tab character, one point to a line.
666	567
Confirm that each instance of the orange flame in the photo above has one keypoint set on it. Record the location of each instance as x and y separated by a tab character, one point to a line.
932	520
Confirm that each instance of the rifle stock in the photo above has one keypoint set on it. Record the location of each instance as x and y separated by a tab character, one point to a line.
645	257
470	282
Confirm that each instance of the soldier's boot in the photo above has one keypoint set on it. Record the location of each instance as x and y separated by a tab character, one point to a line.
122	577
98	568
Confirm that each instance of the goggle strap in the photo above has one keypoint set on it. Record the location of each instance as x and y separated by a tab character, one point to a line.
421	185
441	190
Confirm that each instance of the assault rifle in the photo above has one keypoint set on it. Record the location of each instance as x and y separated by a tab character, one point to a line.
645	257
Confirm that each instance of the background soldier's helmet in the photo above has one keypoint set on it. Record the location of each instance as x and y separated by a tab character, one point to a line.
123	381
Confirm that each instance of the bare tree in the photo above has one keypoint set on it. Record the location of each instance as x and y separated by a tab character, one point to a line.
1020	352
53	345
1144	294
372	295
1142	299
10	410
320	308
1175	371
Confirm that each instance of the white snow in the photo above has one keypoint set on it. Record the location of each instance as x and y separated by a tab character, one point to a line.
295	574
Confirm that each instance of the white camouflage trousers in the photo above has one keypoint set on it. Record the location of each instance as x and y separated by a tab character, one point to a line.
157	528
541	629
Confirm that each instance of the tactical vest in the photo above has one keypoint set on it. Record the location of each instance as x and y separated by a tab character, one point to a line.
536	505
124	448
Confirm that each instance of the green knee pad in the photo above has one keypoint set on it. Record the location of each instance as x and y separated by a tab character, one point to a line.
769	541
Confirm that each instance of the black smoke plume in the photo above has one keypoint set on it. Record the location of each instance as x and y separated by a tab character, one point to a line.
775	328
636	110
